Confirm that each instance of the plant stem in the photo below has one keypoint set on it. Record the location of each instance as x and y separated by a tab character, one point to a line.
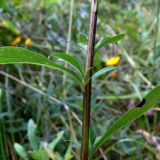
87	90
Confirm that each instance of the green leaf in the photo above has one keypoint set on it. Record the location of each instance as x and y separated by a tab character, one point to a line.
150	100
99	73
12	55
32	135
82	39
9	26
50	152
103	71
53	144
134	141
68	154
127	96
92	135
20	151
69	59
45	3
3	4
108	40
40	154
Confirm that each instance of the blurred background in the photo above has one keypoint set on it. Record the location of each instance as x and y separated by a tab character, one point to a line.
32	111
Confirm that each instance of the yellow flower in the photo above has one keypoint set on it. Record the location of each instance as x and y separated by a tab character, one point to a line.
113	61
16	40
27	42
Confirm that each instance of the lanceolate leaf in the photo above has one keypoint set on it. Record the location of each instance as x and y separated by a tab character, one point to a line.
69	59
150	100
103	71
21	151
53	144
32	134
99	73
108	40
12	55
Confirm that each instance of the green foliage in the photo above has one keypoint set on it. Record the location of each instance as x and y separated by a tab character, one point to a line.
3	4
21	151
12	55
32	135
105	41
39	150
9	26
82	39
53	144
39	154
71	60
150	100
68	155
103	71
112	96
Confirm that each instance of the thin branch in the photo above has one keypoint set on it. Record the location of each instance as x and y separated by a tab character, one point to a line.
87	91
